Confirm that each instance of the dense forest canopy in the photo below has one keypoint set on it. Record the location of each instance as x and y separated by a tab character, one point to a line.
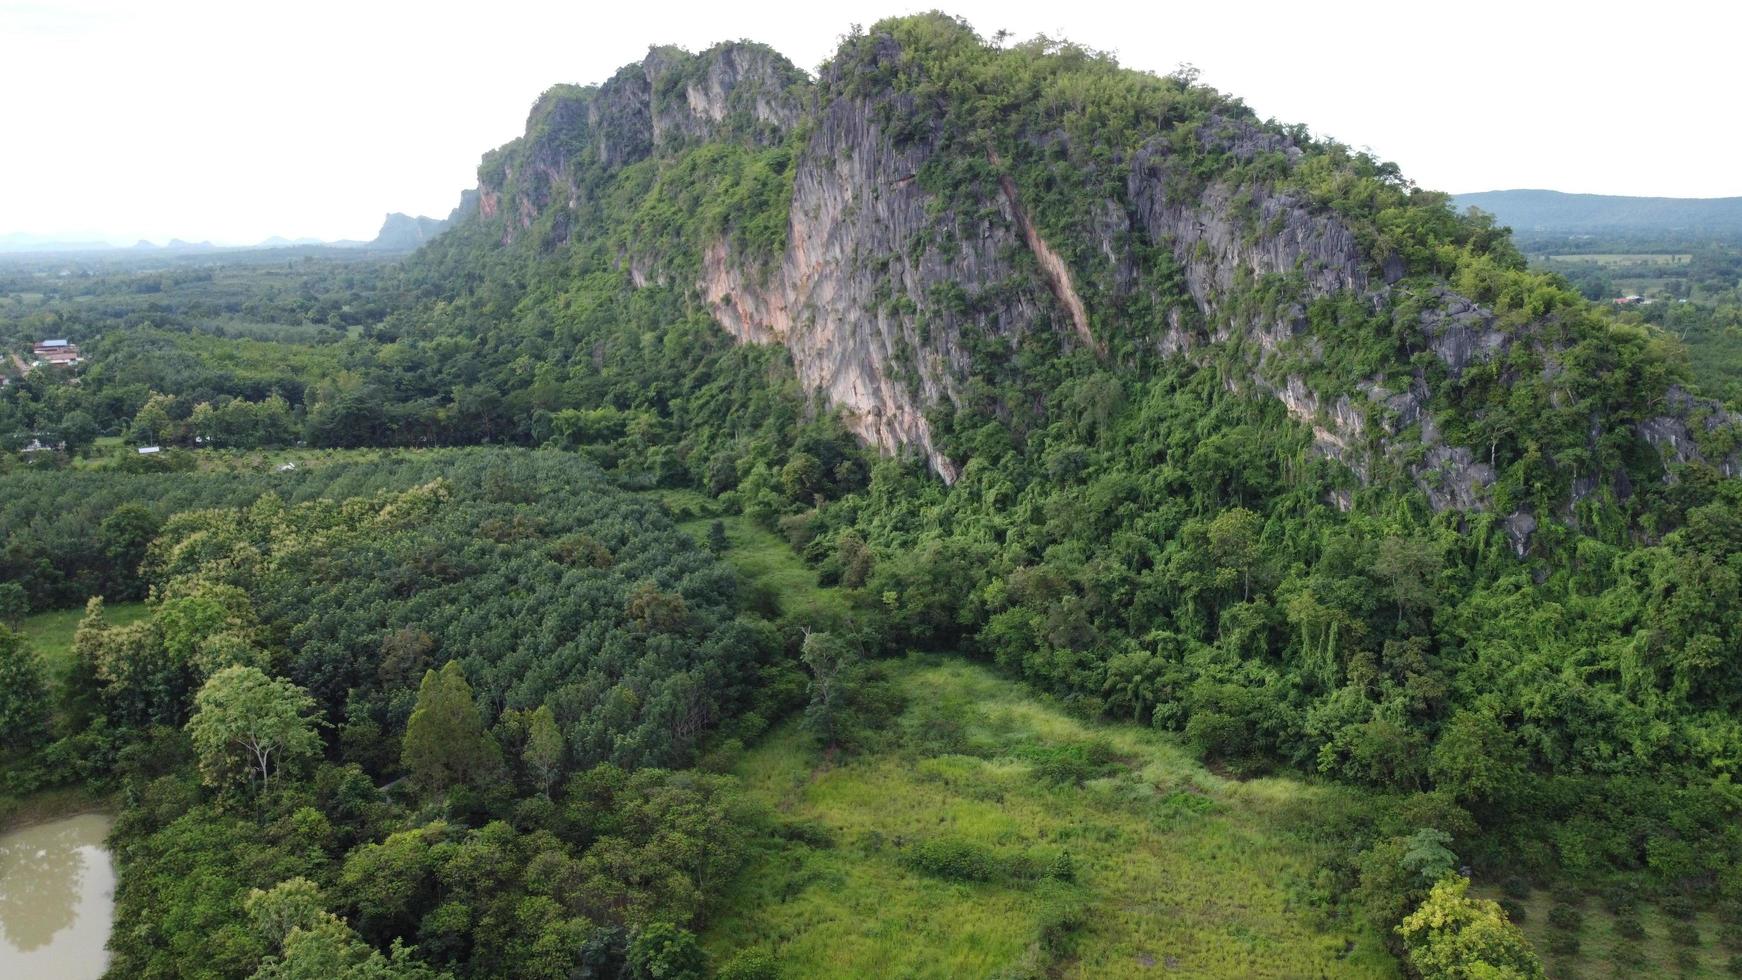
1345	489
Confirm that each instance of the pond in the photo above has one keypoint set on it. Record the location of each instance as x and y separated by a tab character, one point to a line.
57	899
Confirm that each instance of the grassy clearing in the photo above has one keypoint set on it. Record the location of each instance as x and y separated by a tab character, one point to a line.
1607	948
761	557
51	633
1177	871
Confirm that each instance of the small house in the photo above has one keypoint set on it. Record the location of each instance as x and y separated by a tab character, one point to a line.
57	351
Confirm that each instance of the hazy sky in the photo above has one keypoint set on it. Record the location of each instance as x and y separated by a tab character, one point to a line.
236	120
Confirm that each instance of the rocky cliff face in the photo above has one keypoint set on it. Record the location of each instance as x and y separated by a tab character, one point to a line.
668	100
882	282
857	302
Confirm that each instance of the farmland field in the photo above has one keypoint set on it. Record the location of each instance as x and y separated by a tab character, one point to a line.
1624	258
1595	942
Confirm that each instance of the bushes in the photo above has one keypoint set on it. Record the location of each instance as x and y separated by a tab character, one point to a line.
1073	764
1563	944
1628	926
956	859
1565	918
1684	934
750	964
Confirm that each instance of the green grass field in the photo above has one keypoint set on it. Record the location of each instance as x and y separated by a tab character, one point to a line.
1177	871
1606	952
51	633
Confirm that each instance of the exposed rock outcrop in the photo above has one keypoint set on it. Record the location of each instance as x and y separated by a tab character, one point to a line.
670	98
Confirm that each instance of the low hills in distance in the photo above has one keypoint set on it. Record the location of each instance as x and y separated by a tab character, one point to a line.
399	233
1555	212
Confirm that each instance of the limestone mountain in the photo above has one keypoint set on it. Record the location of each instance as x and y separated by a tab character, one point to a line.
933	216
405	232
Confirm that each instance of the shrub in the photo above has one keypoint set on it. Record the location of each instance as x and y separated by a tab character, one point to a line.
1517	888
750	964
1684	934
1628	955
1628	926
1514	910
1565	893
1735	966
1073	765
954	859
1566	918
1564	944
1060	918
1678	907
1062	868
1619	899
810	833
666	952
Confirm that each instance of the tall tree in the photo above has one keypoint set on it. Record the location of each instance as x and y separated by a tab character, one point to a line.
14	603
246	724
1410	567
23	707
544	747
445	741
834	667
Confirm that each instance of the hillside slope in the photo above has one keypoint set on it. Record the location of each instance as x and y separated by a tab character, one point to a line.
932	214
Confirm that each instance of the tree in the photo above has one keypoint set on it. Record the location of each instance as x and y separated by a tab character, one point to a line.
1476	758
23	700
801	477
1398	872
718	543
834	668
78	430
14	603
1234	541
1455	937
153	423
856	558
248	724
663	951
544	747
124	537
295	903
445	741
328	949
1410	567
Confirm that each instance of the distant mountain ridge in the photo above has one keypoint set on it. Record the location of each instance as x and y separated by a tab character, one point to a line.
399	232
1559	212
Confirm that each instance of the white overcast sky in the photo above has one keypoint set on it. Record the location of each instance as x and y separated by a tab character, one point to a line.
239	119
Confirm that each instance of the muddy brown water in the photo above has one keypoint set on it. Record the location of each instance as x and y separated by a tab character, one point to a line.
57	899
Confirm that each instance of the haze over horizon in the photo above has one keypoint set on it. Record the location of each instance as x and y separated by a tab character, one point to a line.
201	120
